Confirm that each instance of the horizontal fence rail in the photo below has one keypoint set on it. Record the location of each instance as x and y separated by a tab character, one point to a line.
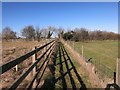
15	62
22	77
12	63
38	71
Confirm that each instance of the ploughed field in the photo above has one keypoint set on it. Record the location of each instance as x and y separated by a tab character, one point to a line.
12	50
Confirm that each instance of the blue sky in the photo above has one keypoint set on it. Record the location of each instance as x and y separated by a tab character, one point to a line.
91	15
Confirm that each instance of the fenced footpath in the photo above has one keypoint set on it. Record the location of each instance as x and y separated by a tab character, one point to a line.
70	70
34	68
62	72
52	68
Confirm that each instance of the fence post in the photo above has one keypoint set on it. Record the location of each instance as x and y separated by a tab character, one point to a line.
118	71
73	45
82	50
34	57
45	49
16	68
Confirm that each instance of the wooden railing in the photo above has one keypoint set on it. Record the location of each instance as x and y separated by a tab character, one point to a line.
9	65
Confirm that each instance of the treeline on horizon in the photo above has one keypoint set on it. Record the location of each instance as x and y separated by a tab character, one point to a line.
77	34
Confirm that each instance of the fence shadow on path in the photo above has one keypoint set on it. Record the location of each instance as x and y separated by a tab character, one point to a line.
74	69
49	83
68	64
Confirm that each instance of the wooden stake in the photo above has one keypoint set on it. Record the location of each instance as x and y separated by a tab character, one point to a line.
118	71
16	68
73	45
34	57
82	50
33	61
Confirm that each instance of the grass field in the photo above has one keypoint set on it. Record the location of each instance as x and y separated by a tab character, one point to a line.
103	54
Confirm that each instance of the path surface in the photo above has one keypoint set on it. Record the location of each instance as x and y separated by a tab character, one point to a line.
63	73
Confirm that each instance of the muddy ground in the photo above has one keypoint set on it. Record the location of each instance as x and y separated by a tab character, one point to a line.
12	50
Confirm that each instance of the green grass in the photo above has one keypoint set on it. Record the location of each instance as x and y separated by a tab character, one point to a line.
82	74
103	54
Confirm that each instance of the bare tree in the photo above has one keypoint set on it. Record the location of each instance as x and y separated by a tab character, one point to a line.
80	34
44	33
8	33
50	31
29	32
91	35
60	32
38	33
49	34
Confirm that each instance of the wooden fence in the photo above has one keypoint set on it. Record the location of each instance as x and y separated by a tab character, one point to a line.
9	65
